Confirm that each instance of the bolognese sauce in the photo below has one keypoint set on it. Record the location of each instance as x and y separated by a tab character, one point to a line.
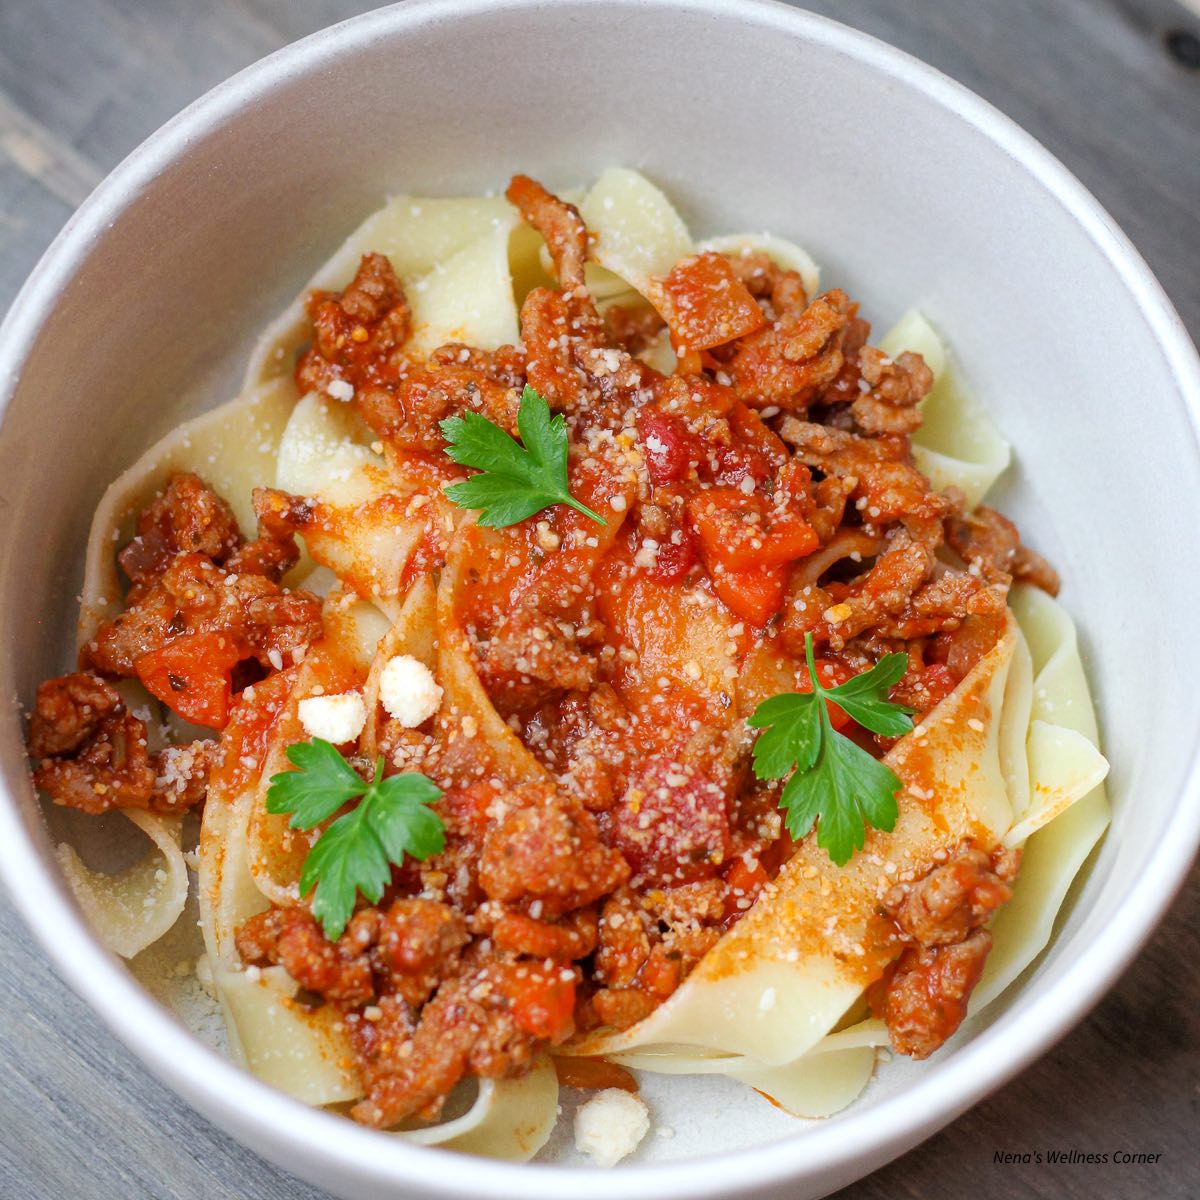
769	479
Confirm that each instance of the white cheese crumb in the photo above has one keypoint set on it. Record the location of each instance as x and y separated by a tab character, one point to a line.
340	389
337	719
647	555
408	690
547	539
610	1126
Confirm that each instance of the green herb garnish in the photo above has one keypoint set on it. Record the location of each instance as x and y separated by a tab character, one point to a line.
833	779
515	481
356	853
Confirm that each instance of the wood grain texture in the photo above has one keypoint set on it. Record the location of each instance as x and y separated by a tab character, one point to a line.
83	81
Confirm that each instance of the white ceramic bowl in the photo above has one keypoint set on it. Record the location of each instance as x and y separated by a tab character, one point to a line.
908	190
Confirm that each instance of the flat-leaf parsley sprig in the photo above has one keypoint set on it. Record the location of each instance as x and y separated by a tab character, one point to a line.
515	481
834	782
356	853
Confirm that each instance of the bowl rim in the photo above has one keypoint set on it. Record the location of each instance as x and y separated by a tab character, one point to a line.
328	1146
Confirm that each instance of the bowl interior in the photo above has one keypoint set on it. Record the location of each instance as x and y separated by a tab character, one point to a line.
905	190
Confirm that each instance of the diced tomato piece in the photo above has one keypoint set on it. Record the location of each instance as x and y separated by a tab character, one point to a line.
465	810
191	676
736	462
933	683
755	596
755	453
543	1001
744	533
752	431
675	557
706	305
730	527
746	877
939	681
673	825
670	450
832	672
746	874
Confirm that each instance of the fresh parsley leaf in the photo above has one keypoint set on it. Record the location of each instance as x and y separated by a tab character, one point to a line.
322	782
834	784
356	852
863	697
346	860
402	820
847	789
791	734
515	481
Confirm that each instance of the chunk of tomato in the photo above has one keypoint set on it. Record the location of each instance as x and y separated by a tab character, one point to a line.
673	825
754	596
746	877
191	675
742	532
706	304
669	448
676	556
753	432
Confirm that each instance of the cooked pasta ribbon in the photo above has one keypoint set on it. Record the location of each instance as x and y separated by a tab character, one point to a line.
958	444
132	909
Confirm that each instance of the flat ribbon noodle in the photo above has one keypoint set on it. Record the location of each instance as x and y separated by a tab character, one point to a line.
511	1119
233	447
1048	683
1054	853
958	443
469	297
465	697
779	250
367	520
637	235
415	634
132	909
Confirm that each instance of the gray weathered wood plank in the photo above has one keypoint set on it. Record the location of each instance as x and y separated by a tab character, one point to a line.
83	81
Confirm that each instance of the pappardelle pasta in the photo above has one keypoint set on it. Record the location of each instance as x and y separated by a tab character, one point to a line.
588	653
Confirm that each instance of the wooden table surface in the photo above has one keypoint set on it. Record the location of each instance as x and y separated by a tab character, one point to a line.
1110	86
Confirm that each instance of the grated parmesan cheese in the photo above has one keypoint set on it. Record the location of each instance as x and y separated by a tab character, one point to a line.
337	719
610	1126
408	691
340	389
